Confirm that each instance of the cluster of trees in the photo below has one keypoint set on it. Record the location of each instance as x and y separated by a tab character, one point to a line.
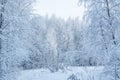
103	17
14	35
55	42
30	41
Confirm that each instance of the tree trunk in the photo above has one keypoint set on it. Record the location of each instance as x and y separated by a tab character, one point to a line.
1	24
110	22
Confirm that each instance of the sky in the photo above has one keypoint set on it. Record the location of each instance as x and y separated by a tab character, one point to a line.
60	8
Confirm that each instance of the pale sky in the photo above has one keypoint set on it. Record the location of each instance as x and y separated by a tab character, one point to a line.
60	8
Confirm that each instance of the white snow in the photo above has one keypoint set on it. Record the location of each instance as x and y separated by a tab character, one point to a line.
83	73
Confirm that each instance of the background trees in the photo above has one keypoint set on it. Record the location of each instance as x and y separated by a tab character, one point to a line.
55	42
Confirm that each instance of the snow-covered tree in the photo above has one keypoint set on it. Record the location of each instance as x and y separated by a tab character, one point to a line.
15	29
103	17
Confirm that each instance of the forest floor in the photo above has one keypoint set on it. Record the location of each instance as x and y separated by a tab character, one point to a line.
82	73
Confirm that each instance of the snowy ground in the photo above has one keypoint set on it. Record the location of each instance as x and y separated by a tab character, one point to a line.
83	73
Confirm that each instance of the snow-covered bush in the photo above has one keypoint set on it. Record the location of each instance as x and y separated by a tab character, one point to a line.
78	58
73	77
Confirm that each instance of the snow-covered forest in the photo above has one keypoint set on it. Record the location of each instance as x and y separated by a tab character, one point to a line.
36	47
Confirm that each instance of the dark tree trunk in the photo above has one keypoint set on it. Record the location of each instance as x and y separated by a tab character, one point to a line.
110	22
2	2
